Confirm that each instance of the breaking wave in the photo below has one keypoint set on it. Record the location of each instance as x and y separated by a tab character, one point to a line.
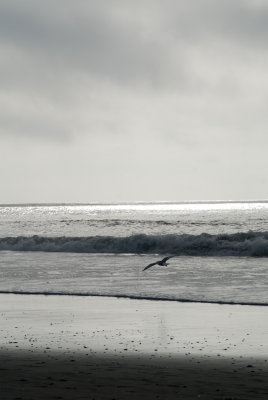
250	244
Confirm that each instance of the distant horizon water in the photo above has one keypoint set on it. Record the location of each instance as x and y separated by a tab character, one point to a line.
190	201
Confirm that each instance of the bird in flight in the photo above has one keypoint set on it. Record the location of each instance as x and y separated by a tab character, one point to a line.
162	263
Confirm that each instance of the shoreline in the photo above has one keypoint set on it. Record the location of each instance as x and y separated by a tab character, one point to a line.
103	348
133	297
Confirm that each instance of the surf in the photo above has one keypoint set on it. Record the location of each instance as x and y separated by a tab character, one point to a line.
241	244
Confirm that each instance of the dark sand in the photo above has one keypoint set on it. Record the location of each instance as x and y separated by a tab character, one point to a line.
72	376
68	348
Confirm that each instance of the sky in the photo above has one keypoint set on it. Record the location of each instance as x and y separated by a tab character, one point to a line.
122	100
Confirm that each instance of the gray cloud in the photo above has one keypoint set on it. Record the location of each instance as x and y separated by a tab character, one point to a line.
91	42
142	43
33	126
96	41
115	84
241	22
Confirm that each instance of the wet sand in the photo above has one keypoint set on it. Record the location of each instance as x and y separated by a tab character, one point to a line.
65	347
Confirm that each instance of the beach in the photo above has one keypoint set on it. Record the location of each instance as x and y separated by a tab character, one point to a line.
73	347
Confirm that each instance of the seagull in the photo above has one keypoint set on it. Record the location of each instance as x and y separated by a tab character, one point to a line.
162	263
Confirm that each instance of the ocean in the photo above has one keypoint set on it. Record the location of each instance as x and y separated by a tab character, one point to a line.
220	249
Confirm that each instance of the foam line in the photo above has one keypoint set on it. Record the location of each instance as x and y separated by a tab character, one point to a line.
133	297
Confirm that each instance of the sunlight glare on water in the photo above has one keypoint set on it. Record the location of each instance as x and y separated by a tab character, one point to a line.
130	219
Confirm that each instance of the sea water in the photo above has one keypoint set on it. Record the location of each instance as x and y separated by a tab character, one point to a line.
220	250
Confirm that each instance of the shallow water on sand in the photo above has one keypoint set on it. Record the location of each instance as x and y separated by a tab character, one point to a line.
216	279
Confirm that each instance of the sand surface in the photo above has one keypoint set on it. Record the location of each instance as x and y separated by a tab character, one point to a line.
67	347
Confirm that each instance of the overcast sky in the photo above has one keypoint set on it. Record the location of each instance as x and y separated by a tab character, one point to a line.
123	100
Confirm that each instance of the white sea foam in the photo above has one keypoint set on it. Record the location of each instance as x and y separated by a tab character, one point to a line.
251	244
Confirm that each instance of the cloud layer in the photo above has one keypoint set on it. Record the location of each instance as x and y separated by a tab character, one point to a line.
104	79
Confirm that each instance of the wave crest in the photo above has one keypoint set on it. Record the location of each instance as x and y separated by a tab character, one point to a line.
251	244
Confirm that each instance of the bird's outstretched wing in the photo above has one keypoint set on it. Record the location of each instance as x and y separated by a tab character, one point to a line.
166	258
149	266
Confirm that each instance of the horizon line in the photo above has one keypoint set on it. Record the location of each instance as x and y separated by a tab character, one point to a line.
142	202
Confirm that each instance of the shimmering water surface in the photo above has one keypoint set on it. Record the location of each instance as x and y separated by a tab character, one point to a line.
221	250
